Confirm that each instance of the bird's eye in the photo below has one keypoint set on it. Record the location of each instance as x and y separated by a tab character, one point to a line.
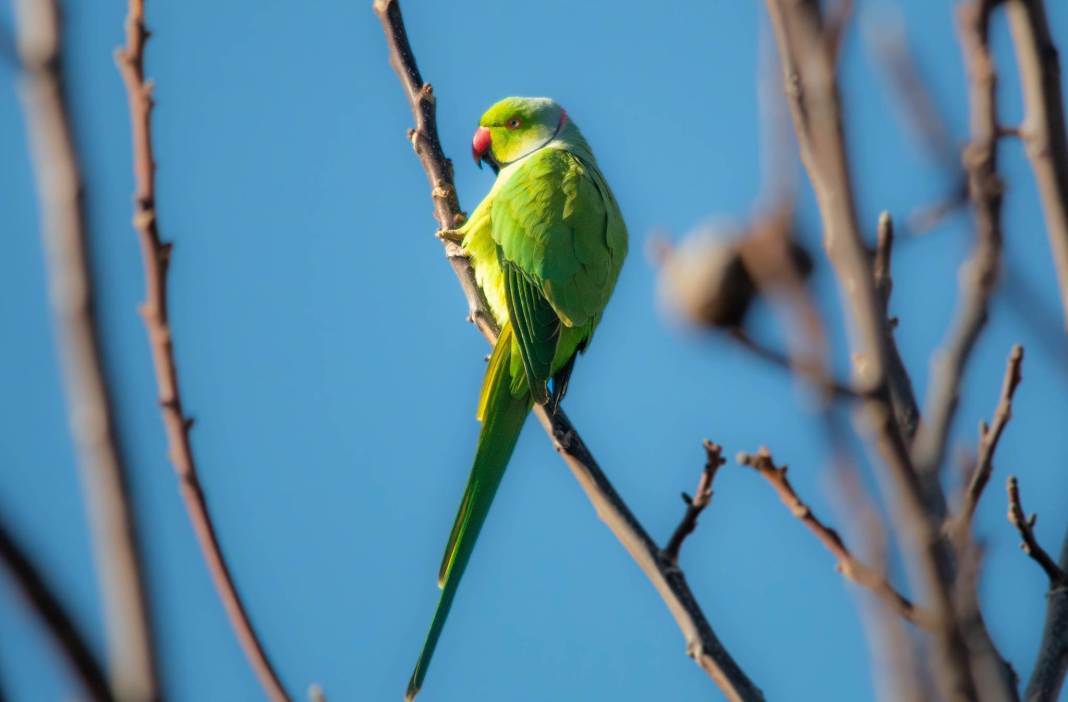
513	123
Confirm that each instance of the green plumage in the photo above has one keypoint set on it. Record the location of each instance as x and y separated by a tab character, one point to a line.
546	244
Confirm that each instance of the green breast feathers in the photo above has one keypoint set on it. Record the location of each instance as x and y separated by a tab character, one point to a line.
553	218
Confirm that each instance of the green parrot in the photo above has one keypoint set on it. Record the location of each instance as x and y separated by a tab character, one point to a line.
546	245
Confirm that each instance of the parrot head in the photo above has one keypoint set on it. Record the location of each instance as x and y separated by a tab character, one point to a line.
516	127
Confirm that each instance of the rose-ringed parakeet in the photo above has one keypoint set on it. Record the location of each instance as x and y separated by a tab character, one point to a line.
546	245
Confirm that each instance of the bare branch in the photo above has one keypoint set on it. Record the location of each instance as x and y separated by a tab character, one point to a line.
701	642
848	565
993	673
899	384
696	504
989	436
979	274
914	96
884	250
53	615
156	256
1025	525
424	139
838	17
921	115
1043	128
811	85
809	369
1047	678
63	230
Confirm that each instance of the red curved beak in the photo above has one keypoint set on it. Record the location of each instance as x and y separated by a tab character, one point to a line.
480	145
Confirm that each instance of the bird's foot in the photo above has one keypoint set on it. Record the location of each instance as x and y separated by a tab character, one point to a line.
564	438
553	405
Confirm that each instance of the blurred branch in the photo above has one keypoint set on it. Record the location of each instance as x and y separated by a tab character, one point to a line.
979	274
897	654
989	436
63	231
848	565
696	504
1018	288
994	676
838	16
921	116
810	83
1043	128
899	384
806	368
914	96
701	642
59	624
156	256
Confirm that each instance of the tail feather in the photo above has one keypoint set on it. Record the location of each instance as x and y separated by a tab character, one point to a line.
502	414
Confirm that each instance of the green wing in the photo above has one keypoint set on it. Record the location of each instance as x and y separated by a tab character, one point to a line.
561	242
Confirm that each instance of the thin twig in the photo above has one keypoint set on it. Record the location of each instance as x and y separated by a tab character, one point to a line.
979	274
156	256
848	565
696	504
912	93
779	266
669	580
1046	679
989	436
921	115
806	368
1025	525
701	642
61	627
902	396
884	251
811	85
1043	129
896	658
63	230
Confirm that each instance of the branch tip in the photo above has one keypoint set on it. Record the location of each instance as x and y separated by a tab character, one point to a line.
1025	526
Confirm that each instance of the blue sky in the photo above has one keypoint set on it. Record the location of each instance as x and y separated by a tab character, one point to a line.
323	351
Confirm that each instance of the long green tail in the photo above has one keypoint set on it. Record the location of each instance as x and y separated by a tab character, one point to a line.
502	414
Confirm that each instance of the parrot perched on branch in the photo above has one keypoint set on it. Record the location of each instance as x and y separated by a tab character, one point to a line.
546	245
